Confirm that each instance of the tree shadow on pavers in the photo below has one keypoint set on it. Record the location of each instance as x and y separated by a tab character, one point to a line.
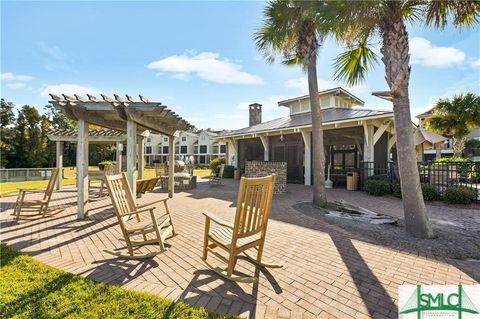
116	271
374	296
7	223
208	289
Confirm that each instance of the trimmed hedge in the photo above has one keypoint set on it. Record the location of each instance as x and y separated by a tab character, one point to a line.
229	171
429	191
459	195
377	187
102	164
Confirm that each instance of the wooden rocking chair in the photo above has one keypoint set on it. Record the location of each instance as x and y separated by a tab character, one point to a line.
248	231
125	208
217	179
39	206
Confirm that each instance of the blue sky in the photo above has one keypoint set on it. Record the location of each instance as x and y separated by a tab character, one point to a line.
199	58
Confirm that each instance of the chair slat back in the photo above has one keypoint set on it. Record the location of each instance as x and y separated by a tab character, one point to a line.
253	205
121	195
51	184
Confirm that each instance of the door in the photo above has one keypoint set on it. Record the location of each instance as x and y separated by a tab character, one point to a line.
289	150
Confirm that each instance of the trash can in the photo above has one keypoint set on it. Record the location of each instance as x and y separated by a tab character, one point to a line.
237	173
352	181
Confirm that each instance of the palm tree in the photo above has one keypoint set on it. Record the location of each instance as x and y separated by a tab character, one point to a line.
295	30
454	118
359	22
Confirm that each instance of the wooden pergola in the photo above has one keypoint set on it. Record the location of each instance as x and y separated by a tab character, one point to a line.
136	118
97	136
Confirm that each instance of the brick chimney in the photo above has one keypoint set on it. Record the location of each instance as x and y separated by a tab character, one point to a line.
255	112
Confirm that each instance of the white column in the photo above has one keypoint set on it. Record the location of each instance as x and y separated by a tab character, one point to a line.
232	152
307	157
264	140
82	169
141	156
368	148
132	155
171	165
118	159
59	158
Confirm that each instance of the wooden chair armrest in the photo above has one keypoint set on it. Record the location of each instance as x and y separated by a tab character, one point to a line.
138	211
217	220
28	190
153	202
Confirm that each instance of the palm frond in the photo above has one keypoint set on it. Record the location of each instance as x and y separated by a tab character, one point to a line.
464	13
353	65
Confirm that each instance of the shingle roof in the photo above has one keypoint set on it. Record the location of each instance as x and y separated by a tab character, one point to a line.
425	114
305	119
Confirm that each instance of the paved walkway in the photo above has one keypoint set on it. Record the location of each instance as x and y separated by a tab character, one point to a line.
327	273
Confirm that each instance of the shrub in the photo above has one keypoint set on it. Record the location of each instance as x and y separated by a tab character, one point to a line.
215	164
459	195
378	178
429	192
102	164
452	160
377	187
397	190
229	171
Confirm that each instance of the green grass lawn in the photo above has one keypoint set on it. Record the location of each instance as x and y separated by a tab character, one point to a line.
69	179
30	289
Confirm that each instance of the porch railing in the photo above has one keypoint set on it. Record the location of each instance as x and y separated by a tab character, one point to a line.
441	175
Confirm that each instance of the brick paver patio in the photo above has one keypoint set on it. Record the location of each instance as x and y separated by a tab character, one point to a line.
327	273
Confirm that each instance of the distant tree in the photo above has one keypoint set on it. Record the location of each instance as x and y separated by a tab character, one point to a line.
454	118
472	147
7	118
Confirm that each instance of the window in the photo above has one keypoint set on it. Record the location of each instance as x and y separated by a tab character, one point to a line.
149	139
148	150
195	149
165	139
165	150
223	149
177	149
202	159
215	149
203	149
183	149
184	138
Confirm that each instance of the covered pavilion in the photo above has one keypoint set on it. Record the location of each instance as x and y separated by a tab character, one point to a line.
136	118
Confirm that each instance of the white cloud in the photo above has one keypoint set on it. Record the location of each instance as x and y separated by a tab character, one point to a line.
476	64
9	76
302	85
55	59
69	89
423	52
16	85
207	66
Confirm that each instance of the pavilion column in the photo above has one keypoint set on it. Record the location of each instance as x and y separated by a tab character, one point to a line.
264	140
132	155
82	169
368	149
232	152
307	156
141	157
59	157
118	157
171	165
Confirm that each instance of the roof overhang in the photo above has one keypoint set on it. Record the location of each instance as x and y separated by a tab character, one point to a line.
337	90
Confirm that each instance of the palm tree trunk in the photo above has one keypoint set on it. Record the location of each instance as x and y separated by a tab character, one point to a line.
458	145
395	51
318	150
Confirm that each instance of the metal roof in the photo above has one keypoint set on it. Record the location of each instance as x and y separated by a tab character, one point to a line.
329	115
333	90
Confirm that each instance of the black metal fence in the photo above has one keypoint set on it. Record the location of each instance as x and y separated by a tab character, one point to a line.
440	175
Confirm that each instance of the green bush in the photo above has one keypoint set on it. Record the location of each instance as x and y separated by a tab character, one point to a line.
397	190
229	171
453	160
377	187
459	195
102	164
215	164
378	178
429	191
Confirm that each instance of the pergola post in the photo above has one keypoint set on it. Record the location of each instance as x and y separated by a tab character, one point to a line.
307	157
82	169
132	155
368	148
264	140
141	157
59	158
118	156
171	165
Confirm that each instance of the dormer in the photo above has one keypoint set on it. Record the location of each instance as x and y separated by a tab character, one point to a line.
336	97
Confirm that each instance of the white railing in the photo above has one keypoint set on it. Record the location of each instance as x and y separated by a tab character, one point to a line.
25	174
